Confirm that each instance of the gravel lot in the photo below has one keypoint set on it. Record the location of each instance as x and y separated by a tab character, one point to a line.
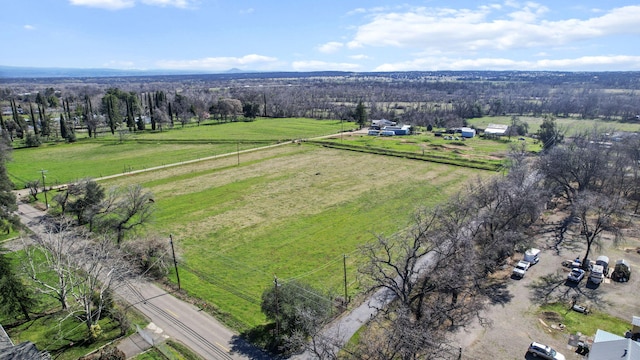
515	323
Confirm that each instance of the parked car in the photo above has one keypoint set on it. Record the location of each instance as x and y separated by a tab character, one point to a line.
576	275
521	268
544	351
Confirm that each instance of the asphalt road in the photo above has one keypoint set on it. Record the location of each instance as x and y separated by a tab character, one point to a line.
172	317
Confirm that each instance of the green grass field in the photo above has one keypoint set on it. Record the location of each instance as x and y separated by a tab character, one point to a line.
108	155
571	125
290	212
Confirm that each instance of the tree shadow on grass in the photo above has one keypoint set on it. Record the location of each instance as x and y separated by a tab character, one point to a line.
555	288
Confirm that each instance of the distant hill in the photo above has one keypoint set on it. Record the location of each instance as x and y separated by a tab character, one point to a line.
37	72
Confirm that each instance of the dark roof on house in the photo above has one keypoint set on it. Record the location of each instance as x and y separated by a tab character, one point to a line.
23	351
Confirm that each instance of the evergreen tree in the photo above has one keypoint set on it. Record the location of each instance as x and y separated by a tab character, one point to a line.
33	120
45	129
170	113
8	220
63	128
153	121
549	134
15	298
360	115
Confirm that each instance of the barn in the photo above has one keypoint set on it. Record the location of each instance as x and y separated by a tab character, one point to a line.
496	129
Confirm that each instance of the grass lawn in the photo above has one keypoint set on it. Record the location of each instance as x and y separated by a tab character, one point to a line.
290	212
262	129
62	336
572	125
107	155
586	324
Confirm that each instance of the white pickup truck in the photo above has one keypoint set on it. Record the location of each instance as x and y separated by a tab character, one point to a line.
521	268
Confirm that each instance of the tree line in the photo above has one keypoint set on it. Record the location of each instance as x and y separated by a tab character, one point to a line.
423	99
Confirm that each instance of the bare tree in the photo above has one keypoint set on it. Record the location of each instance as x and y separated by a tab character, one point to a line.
126	209
584	164
99	268
54	248
33	187
432	270
597	214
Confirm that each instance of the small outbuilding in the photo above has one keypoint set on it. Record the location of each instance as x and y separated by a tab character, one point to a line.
467	132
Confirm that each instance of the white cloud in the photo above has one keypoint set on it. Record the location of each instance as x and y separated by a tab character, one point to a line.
592	63
330	47
359	57
219	63
104	4
163	3
315	65
488	28
29	27
247	11
123	4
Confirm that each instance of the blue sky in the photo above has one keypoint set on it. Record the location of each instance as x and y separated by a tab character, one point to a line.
349	35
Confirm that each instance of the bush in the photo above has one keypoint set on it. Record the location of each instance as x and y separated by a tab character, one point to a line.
33	140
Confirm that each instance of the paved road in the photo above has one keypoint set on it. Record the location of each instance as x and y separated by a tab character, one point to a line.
174	318
344	327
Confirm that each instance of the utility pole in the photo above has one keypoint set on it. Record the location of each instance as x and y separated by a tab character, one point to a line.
175	263
44	189
344	262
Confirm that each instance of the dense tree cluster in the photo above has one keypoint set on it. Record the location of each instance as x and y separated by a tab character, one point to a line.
440	99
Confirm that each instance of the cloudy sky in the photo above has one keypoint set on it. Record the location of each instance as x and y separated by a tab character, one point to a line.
299	35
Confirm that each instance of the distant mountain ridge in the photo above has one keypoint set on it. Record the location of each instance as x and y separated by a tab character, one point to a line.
38	72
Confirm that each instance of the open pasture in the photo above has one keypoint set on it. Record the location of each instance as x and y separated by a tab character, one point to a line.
571	125
113	154
292	211
474	148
